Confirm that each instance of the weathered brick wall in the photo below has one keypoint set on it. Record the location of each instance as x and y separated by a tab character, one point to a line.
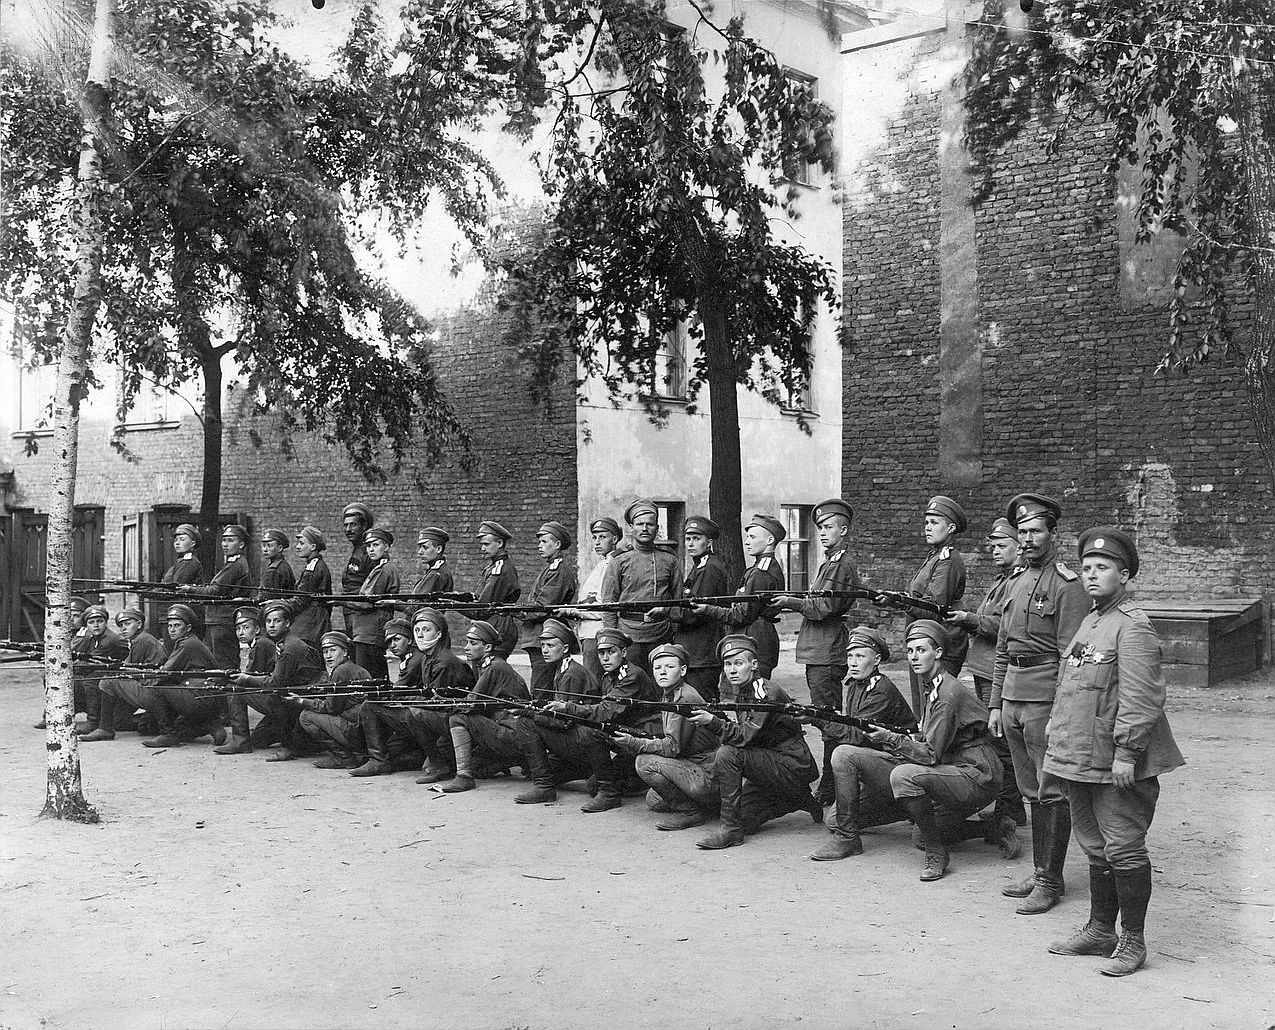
1071	402
521	471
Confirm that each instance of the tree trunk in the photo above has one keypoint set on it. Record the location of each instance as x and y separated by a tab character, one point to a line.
64	790
1259	174
210	494
725	486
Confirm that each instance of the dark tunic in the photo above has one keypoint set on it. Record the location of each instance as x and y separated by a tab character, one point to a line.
277	575
233	579
875	699
701	633
823	636
310	618
941	579
500	585
556	584
186	569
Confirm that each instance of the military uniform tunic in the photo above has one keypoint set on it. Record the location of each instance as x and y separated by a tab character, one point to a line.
701	633
277	576
941	579
499	585
310	618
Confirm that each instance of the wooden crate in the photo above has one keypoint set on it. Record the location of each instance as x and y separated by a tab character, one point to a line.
1204	643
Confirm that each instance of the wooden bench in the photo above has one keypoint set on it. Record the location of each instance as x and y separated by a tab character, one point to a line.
1204	643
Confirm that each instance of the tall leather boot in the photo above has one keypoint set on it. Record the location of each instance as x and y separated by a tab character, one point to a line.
463	744
921	809
539	771
1098	936
826	793
1056	836
1023	888
374	740
1133	888
729	769
105	720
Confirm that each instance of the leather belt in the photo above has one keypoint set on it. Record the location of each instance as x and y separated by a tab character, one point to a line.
1030	661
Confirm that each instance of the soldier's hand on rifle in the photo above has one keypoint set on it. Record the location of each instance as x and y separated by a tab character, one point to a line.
555	706
655	614
960	618
701	717
241	680
882	737
785	602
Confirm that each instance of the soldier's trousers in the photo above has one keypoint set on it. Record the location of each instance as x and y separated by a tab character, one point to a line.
1023	723
224	645
1111	824
705	679
372	658
759	784
390	732
496	742
341	732
272	724
199	715
824	683
1010	800
577	751
589	658
681	782
639	653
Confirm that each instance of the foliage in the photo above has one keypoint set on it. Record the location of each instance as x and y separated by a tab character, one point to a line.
242	189
1177	82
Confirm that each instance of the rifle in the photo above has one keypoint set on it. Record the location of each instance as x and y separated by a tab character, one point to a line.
720	708
533	708
221	686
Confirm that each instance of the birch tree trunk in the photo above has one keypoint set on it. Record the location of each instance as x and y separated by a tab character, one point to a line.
64	792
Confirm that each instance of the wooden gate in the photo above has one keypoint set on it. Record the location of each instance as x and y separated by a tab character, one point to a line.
25	551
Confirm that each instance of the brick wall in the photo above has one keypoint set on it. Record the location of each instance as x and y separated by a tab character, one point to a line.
1072	327
521	468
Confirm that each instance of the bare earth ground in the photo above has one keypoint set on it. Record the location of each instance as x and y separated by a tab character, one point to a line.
225	892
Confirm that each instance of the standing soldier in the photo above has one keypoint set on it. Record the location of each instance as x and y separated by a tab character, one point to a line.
499	582
1109	743
606	537
941	579
356	520
646	572
257	659
765	575
310	617
367	619
433	574
126	694
984	626
187	568
276	574
699	629
1043	609
233	579
556	585
765	748
821	642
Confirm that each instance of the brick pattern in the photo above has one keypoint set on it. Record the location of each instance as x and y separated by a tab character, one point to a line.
1072	406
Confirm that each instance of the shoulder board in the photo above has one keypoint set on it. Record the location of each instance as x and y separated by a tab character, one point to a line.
188	556
312	564
945	554
554	564
836	556
703	561
438	564
1129	607
496	567
764	561
1065	572
1018	570
231	557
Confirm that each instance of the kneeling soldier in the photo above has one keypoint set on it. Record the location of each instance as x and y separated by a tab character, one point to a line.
678	767
143	650
493	733
765	747
950	763
334	721
1109	741
258	660
199	715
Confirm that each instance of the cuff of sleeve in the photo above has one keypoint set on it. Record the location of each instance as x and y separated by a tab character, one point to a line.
1127	754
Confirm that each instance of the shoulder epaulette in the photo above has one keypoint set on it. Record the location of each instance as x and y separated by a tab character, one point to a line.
188	556
312	564
836	556
1065	572
945	554
1129	607
1018	570
554	564
497	566
764	561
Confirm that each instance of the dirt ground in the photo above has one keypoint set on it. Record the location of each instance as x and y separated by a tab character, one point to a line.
224	892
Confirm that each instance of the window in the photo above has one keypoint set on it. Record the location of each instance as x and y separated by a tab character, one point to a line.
35	397
796	168
800	397
793	551
671	516
668	368
150	407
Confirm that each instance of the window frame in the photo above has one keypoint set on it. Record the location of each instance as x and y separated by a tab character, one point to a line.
803	176
796	542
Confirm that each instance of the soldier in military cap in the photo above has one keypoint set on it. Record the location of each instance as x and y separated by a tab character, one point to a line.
499	582
115	708
821	642
941	578
1043	609
366	620
257	657
276	574
296	665
434	575
677	766
333	722
443	677
187	568
606	538
492	733
765	575
983	626
356	520
555	585
872	696
645	572
97	641
764	766
1109	743
198	715
948	766
699	629
310	617
233	579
